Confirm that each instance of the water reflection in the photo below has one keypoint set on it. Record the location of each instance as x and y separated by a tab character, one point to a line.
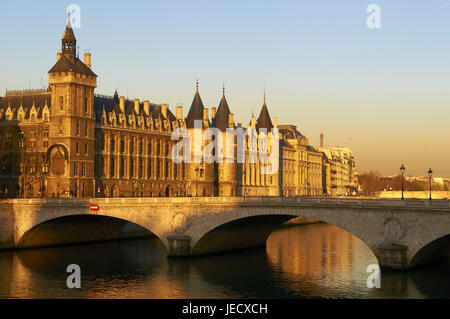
299	262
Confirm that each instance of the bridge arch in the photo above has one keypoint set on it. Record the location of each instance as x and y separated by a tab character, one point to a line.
435	250
251	227
75	228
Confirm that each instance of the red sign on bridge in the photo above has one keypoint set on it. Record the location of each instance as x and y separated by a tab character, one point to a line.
94	208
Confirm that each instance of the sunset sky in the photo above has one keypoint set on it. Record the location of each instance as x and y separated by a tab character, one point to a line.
384	92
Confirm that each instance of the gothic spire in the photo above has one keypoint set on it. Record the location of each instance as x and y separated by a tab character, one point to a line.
69	42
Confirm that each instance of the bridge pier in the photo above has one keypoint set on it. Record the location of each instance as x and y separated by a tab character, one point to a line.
393	256
179	245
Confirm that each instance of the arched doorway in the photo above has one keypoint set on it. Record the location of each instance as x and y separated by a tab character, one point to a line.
169	191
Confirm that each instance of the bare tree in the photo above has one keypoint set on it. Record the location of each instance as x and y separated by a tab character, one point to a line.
29	166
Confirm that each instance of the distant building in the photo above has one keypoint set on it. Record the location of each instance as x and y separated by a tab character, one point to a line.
340	165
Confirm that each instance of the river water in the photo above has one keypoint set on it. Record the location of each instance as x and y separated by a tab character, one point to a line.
312	261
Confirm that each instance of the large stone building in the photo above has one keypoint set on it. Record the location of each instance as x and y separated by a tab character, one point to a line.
67	141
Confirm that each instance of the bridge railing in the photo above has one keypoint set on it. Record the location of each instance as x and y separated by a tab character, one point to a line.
341	201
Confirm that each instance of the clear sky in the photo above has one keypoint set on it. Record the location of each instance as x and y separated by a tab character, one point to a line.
384	92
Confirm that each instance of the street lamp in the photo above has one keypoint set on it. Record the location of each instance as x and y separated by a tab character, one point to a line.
402	170
43	177
196	173
430	174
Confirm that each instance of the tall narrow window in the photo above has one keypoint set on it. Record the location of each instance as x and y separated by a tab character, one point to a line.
122	167
149	169
112	167
157	168
167	169
113	145
122	145
149	147
85	104
141	146
132	168
61	103
86	128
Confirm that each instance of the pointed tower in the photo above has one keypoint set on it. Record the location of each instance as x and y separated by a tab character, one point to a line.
72	118
222	119
225	179
322	139
264	120
197	110
69	43
201	174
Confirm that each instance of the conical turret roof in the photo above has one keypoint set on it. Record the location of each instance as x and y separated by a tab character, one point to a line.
220	121
264	120
196	110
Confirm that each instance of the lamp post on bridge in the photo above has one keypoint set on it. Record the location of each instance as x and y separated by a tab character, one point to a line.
430	174
196	173
402	170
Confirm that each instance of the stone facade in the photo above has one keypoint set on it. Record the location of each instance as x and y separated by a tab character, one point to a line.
67	141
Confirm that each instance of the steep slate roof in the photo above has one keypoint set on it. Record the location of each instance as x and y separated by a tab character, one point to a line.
112	104
196	111
26	100
66	65
264	120
290	131
312	149
220	121
68	33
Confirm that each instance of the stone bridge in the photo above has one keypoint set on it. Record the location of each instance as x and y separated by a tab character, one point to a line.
401	234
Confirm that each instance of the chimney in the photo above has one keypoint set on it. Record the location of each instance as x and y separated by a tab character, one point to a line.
179	112
122	104
58	56
213	112
275	122
147	108
136	106
253	121
87	60
231	120
205	115
164	110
